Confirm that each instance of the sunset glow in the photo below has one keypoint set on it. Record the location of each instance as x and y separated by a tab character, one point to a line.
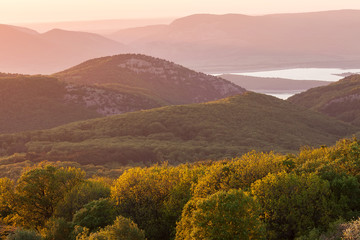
17	11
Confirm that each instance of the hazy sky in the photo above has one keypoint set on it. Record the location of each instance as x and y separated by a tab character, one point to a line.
17	11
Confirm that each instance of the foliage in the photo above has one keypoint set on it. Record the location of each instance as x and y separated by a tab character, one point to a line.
80	195
56	229
95	215
296	196
123	228
21	234
39	190
238	173
154	197
6	197
221	216
293	204
352	230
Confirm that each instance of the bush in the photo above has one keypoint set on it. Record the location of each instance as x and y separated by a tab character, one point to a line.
24	235
56	229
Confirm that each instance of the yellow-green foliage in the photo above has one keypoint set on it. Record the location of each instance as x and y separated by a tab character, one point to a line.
221	216
292	204
238	173
39	190
154	197
343	158
298	196
123	228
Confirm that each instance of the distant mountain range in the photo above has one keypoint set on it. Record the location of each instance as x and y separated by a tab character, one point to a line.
102	87
214	43
208	43
26	51
340	100
214	130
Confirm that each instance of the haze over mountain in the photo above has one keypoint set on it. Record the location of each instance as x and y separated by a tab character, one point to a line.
205	42
97	26
340	100
26	51
171	82
214	130
261	84
239	42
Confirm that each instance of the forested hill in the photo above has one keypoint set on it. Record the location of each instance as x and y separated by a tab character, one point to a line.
40	102
215	130
171	82
340	99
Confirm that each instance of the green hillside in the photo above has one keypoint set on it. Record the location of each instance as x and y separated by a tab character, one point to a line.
36	102
41	102
171	82
214	130
340	99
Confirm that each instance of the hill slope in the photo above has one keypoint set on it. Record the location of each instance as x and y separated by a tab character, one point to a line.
39	102
340	99
171	82
238	42
214	130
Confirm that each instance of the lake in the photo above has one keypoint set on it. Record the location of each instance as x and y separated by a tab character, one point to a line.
324	74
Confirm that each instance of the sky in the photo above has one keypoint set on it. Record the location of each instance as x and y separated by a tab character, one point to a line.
30	11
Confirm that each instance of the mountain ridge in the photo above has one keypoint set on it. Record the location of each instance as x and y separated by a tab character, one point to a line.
169	81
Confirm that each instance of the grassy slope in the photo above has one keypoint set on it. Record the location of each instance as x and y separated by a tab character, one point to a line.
224	128
340	99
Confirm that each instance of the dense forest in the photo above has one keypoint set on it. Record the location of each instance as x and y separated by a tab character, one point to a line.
220	129
314	194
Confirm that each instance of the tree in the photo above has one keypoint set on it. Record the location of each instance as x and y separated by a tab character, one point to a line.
293	204
6	197
95	215
154	197
238	173
80	195
39	190
56	229
221	216
123	228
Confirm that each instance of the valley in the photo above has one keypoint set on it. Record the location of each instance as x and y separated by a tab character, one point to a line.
204	126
